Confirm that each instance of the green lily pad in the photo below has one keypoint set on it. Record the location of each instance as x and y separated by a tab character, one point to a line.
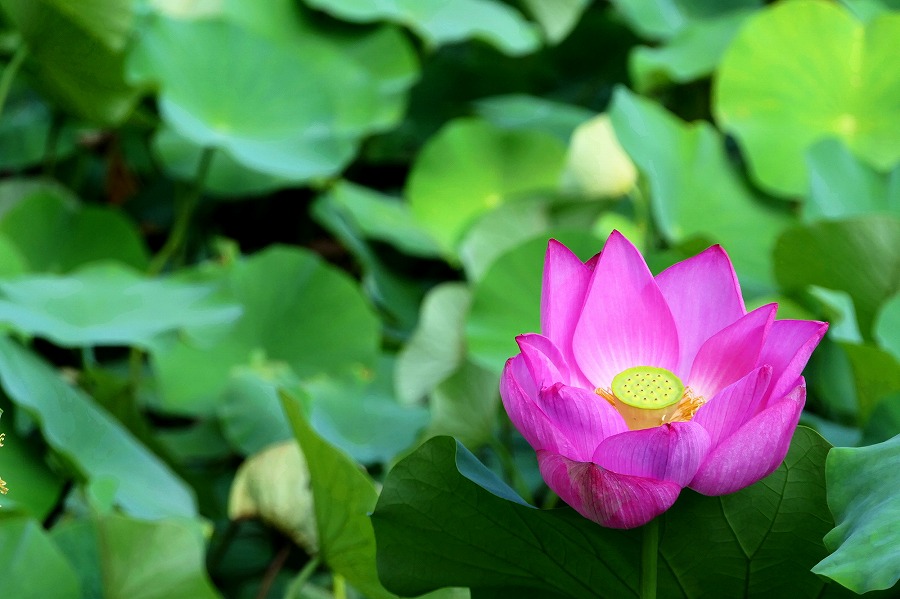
107	304
862	495
343	497
841	185
887	327
296	311
780	89
860	256
524	112
556	17
34	489
440	23
464	406
696	191
55	233
692	53
437	346
87	437
120	557
299	99
32	565
471	166
662	19
78	55
443	519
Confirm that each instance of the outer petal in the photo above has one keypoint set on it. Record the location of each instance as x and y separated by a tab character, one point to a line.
518	393
610	499
582	416
704	296
734	405
731	353
625	321
754	451
562	295
787	348
670	452
545	363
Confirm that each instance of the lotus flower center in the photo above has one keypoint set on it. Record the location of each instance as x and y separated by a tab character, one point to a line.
647	387
647	396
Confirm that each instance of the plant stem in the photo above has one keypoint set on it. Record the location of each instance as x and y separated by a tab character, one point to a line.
303	577
272	571
9	73
649	556
183	219
339	587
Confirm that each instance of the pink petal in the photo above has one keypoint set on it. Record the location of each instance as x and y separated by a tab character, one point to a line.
787	348
607	498
625	321
754	451
582	416
734	405
562	296
518	393
671	452
545	363
704	296
731	353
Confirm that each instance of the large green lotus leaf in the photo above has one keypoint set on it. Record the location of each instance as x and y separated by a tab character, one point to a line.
692	53
869	9
437	346
781	88
887	327
382	218
439	22
92	441
396	295
662	19
76	53
464	406
55	233
556	17
443	519
123	558
33	567
524	112
35	489
841	185
471	166
25	129
108	304
227	178
876	375
343	497
296	310
297	103
696	191
862	495
506	301
860	256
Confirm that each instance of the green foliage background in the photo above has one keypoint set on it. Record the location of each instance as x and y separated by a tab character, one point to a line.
307	232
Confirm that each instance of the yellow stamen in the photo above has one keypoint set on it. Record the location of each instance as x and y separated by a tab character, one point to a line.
3	488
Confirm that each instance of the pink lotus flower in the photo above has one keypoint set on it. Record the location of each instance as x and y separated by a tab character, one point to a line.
641	386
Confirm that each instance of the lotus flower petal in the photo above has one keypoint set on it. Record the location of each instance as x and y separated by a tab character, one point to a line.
732	352
586	417
704	296
524	412
754	451
610	499
788	347
670	452
625	320
734	405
